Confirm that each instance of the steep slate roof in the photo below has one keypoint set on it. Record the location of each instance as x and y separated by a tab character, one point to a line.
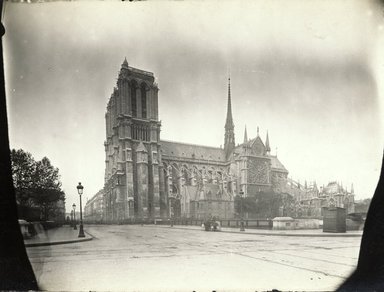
276	164
333	188
190	151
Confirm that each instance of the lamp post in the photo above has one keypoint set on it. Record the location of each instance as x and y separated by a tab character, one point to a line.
171	210
241	211
71	223
80	191
74	216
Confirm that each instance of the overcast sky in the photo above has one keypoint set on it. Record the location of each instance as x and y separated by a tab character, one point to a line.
309	72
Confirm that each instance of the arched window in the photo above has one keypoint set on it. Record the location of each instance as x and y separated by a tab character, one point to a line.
143	101
185	175
133	98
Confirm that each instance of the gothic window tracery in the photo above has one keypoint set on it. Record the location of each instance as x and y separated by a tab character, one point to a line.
185	175
258	148
257	171
143	101
209	176
133	98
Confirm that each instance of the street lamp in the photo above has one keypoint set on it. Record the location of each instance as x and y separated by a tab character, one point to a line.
171	209
74	216
241	211
71	223
80	191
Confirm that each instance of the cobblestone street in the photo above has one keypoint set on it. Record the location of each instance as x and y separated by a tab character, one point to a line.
158	258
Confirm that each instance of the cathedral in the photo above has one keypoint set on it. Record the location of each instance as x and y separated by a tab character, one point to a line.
149	178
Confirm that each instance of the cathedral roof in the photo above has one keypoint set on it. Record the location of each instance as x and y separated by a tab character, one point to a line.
276	164
192	151
333	188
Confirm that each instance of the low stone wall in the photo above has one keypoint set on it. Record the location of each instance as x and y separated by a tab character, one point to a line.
309	223
355	224
288	223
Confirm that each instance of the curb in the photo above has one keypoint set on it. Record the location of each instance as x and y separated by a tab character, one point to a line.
298	234
58	242
281	234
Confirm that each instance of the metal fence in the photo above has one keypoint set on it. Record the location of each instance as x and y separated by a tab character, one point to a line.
235	223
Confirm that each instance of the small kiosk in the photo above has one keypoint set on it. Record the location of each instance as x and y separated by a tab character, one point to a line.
334	220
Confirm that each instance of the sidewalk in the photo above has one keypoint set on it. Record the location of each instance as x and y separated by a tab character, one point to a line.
299	232
60	235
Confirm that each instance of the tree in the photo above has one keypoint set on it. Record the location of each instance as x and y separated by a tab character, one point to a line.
46	187
23	168
37	183
264	205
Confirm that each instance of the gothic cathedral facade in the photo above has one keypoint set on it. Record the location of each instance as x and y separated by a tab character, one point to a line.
146	177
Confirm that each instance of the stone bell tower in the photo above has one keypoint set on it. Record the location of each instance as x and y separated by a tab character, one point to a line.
133	159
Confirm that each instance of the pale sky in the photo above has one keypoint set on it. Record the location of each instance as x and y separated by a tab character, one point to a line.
309	72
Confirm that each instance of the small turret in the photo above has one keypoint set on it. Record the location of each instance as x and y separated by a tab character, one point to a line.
267	147
245	135
125	63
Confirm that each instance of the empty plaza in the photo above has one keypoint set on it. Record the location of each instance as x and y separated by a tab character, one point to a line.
164	258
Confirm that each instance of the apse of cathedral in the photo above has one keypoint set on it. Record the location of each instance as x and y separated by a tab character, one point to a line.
146	177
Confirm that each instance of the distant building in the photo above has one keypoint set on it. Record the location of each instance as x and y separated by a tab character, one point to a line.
58	211
362	206
69	215
309	199
337	196
94	208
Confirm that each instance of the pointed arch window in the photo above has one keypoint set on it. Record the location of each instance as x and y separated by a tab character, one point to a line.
143	101
133	98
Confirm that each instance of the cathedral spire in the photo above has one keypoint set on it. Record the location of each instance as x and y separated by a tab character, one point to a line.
267	147
352	190
229	121
245	135
229	139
